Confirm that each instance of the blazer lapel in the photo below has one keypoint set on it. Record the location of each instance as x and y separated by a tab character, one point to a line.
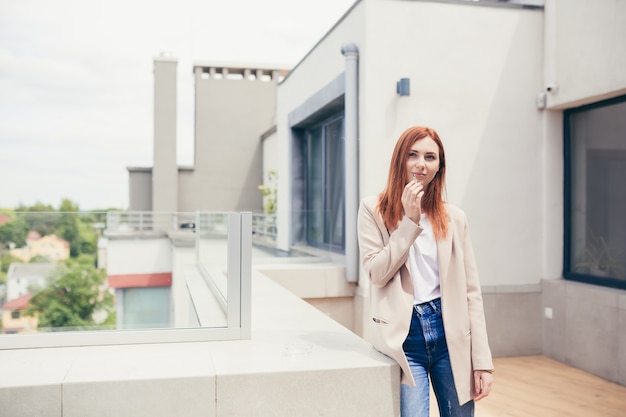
444	254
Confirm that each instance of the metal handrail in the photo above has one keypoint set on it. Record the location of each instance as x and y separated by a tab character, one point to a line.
148	221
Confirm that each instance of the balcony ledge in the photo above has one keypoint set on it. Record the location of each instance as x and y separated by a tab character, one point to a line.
297	362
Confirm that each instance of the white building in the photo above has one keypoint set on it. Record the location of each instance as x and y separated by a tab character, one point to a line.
528	97
24	278
528	104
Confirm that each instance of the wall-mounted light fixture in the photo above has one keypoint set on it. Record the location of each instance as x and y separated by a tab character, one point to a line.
403	87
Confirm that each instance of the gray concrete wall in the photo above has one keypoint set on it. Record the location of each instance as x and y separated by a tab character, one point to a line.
585	326
165	171
234	106
139	189
186	191
578	324
513	315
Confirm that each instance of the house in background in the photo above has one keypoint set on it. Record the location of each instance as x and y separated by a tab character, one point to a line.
13	318
4	218
26	278
51	247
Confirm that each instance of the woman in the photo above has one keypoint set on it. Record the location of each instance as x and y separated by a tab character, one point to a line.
426	302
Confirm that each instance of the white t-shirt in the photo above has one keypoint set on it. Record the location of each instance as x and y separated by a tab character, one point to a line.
423	264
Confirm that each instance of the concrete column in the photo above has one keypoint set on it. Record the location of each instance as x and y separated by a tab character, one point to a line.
165	169
351	151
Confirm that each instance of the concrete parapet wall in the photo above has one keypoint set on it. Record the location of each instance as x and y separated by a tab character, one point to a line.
297	362
585	326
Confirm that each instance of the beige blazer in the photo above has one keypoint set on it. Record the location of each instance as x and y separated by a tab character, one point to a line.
384	258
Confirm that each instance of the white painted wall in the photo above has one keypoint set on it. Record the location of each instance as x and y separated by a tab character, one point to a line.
551	189
585	51
475	72
585	56
139	256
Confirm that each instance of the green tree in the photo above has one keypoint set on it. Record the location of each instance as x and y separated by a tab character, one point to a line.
77	229
70	231
69	226
14	231
73	295
38	259
40	217
6	259
67	206
88	242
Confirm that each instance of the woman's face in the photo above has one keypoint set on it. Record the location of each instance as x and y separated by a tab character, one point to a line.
423	161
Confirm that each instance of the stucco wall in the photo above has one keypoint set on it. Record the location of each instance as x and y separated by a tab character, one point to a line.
165	171
585	54
139	256
139	189
475	73
230	117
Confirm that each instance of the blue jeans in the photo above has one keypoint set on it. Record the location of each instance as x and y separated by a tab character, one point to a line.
427	352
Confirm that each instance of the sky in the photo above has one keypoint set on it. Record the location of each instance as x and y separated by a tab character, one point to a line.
76	83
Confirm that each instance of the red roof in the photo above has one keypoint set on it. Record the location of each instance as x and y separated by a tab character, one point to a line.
33	235
18	303
4	218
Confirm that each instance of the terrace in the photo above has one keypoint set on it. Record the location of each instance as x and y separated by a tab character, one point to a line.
268	354
235	334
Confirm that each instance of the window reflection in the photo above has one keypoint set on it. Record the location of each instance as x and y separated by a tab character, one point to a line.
597	190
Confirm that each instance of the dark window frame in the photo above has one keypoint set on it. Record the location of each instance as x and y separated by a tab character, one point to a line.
322	124
568	203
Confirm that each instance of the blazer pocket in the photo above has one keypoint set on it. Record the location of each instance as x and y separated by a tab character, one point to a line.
378	320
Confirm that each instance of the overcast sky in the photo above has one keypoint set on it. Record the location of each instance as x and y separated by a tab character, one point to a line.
76	82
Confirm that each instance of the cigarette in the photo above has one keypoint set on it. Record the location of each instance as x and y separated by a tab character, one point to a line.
415	177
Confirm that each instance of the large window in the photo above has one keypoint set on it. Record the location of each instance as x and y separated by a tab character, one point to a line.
595	193
324	176
144	308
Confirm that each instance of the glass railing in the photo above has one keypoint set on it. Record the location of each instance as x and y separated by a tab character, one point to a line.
264	229
131	277
124	277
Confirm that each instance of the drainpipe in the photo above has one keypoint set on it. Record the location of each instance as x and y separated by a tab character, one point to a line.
351	152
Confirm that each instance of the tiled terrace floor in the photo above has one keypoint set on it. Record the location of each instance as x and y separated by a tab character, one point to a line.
536	386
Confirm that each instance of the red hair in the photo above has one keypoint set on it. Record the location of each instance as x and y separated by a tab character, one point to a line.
390	202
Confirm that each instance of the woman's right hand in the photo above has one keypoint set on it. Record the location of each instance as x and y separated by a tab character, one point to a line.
412	200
